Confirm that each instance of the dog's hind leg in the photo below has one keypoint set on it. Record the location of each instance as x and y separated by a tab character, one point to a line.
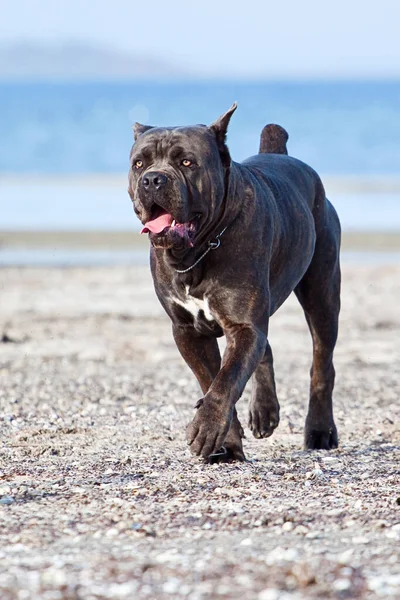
264	405
202	355
319	295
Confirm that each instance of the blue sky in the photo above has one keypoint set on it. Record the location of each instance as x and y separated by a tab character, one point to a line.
220	38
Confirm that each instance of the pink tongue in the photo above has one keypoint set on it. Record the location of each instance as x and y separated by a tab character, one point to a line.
158	224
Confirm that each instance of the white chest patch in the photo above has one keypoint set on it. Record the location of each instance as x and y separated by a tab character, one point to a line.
195	305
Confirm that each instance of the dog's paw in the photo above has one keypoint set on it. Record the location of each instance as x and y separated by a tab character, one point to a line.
263	417
233	448
321	438
228	453
207	432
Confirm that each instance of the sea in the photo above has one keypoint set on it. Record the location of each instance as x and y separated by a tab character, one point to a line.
64	147
338	127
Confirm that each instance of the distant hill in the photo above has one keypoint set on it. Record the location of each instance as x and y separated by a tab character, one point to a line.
76	60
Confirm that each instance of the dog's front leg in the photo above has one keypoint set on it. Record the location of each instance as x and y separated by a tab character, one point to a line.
200	352
202	355
246	345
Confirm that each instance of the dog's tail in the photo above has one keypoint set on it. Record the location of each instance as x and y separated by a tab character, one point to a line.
273	140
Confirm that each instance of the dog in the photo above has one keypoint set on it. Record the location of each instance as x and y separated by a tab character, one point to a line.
229	243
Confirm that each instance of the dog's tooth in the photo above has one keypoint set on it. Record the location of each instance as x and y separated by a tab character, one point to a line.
173	223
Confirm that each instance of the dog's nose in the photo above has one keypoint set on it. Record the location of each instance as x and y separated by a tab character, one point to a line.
154	179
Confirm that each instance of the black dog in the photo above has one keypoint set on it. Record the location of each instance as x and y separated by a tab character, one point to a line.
229	243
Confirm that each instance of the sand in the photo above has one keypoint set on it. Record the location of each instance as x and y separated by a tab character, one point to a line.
99	496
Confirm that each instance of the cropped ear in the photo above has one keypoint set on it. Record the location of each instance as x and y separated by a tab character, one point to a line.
219	129
138	129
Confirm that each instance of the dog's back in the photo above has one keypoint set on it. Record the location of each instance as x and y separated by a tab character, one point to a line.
288	171
273	141
285	173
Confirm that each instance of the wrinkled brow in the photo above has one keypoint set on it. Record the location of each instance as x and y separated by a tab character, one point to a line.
177	151
145	152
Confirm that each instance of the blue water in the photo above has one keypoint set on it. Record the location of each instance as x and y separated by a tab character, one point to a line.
80	129
339	128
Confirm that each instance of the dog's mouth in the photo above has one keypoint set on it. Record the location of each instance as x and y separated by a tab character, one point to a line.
163	224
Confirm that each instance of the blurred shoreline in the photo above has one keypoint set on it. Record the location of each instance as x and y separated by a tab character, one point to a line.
88	219
114	241
128	248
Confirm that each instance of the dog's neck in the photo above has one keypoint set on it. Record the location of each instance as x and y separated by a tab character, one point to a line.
183	258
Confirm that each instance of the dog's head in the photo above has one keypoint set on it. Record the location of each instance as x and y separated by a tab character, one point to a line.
177	179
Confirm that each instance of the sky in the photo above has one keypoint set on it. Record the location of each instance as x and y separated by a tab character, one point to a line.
225	38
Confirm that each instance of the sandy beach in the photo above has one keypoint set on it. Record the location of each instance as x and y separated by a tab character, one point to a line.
99	496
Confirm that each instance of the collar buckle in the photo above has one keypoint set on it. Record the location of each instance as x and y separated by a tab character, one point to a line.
214	245
211	246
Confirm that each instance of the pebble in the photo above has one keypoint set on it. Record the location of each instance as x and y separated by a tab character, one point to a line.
349	523
163	558
171	586
316	473
246	542
274	594
360	540
346	556
334	512
269	594
385	587
393	533
54	577
314	535
6	500
113	532
281	554
342	585
300	530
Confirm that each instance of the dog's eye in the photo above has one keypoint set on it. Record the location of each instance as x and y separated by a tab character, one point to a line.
186	162
138	164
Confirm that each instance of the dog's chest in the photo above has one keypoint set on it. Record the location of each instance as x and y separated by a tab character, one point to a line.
199	308
205	320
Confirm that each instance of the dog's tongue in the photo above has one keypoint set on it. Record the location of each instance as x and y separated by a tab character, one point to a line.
157	224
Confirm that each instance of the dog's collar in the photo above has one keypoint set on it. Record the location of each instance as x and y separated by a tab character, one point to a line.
212	245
